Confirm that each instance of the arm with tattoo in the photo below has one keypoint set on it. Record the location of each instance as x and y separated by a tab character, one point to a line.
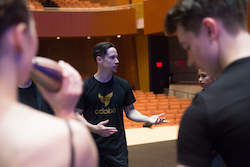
136	116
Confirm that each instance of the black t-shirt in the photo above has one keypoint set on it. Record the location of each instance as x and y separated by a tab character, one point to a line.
219	119
102	101
33	98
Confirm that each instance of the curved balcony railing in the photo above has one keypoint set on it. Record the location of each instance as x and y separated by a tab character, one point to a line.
96	9
75	5
179	94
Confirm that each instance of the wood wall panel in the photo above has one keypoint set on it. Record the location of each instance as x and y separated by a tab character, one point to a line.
82	24
154	14
124	2
137	1
142	61
78	52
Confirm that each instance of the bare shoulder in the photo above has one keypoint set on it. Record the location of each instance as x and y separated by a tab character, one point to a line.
84	145
34	137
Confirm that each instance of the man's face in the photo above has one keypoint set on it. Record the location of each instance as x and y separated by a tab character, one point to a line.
204	79
202	52
110	61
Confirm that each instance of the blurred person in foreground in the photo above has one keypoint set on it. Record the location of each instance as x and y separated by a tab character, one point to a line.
29	94
206	80
27	137
215	35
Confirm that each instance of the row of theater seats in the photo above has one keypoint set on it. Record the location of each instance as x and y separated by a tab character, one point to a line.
149	104
35	4
40	4
77	4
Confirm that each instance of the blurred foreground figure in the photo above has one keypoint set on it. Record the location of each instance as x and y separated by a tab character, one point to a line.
206	80
215	35
27	136
29	94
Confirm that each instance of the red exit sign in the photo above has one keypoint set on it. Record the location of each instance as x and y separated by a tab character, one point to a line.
158	64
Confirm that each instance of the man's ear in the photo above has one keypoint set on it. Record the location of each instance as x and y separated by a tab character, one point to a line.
99	59
211	27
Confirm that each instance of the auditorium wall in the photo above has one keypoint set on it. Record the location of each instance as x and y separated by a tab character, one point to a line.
179	72
78	52
142	61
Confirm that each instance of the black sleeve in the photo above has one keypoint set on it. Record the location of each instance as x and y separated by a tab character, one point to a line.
129	99
194	140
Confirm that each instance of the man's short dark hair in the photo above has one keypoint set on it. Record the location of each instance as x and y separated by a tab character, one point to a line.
190	13
13	12
101	48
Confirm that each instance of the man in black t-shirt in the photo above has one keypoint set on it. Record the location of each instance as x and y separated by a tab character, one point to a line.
102	103
215	35
206	80
29	94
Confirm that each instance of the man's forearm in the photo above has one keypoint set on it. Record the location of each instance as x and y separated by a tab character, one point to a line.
136	116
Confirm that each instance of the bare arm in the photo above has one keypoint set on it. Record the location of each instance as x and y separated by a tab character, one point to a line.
86	152
136	116
99	129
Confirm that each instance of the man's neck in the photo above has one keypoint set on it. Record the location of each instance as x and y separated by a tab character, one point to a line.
235	48
8	82
102	76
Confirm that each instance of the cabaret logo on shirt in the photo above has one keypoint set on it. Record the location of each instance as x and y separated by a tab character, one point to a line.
105	100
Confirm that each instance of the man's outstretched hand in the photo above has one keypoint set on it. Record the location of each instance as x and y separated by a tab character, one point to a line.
157	119
104	131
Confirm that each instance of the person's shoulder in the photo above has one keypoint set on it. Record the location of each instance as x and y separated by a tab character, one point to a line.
85	147
41	136
74	136
124	84
89	80
119	79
